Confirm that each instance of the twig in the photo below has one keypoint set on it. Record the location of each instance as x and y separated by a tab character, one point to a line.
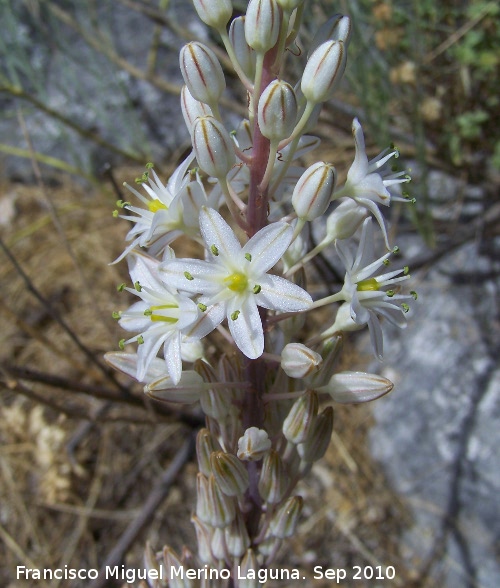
155	498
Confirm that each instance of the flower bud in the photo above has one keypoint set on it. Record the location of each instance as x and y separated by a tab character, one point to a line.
202	505
186	391
298	361
212	146
245	55
277	110
314	190
214	13
206	444
203	540
274	480
323	71
336	28
317	443
345	220
356	387
215	403
254	444
222	508
248	571
262	24
285	519
230	474
218	544
298	424
172	562
191	108
237	539
202	72
153	568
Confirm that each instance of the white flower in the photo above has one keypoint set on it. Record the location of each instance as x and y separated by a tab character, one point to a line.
234	281
370	296
162	317
366	183
171	210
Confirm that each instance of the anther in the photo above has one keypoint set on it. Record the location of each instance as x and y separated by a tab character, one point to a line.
121	287
137	286
202	306
116	315
257	289
121	344
188	276
140	340
214	250
235	315
248	256
414	295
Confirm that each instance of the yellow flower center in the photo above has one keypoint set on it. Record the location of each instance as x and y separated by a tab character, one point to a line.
369	285
162	317
156	205
236	282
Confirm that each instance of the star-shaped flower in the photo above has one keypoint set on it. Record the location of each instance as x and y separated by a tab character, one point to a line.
170	210
233	281
368	296
367	183
163	317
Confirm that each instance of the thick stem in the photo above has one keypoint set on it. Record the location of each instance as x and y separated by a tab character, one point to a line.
257	196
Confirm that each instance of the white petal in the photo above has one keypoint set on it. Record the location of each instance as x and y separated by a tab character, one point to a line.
204	275
144	269
147	351
172	352
138	321
127	364
187	391
267	247
207	321
247	328
280	294
217	232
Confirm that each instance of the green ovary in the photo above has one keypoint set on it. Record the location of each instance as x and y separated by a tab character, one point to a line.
369	285
236	282
162	317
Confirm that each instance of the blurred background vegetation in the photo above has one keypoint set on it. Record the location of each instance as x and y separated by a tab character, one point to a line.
88	95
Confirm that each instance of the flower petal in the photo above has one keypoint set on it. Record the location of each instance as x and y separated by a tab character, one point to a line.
267	247
217	232
280	294
203	274
247	328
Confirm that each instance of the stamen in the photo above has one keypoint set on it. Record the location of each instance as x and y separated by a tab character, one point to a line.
248	256
214	250
257	289
188	276
235	315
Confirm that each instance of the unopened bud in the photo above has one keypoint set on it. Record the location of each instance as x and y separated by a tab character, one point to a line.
299	422
237	539
345	220
285	519
173	562
298	361
274	480
317	443
218	544
277	110
254	444
152	567
248	571
214	13
202	72
192	108
222	508
314	190
262	24
356	387
203	540
323	71
206	444
245	55
186	391
202	504
336	28
213	146
230	474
